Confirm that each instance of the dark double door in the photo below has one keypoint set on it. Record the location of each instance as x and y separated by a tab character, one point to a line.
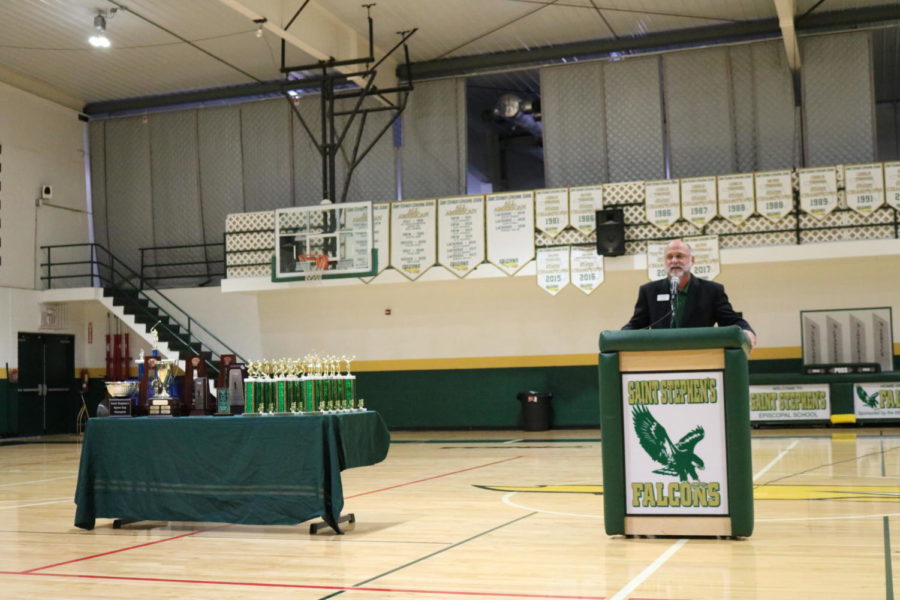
47	396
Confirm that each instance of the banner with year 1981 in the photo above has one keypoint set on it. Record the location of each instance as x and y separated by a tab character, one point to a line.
551	210
510	230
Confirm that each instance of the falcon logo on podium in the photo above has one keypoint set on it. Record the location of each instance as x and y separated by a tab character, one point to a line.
678	460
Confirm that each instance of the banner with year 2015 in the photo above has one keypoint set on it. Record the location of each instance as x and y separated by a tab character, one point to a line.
802	402
510	230
674	430
663	202
818	191
553	268
774	194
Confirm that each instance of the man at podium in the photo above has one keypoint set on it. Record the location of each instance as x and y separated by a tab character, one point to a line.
682	300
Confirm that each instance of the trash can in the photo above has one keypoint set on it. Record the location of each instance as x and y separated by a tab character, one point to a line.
536	410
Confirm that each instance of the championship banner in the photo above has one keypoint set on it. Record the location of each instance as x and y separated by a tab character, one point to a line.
461	233
698	199
774	194
892	184
510	230
381	236
553	268
790	402
413	236
674	431
818	191
865	187
705	249
663	202
736	201
586	268
876	400
551	210
656	260
584	202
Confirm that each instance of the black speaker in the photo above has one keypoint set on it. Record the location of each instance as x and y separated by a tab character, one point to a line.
611	232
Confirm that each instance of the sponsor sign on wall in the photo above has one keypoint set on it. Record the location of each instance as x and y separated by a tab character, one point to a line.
876	400
674	431
806	402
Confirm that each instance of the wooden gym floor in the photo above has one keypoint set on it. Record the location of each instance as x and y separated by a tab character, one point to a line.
492	515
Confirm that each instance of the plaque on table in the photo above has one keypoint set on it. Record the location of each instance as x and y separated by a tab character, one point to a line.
120	407
235	376
201	400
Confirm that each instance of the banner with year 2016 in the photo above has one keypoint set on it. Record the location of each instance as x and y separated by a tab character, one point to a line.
586	268
818	191
698	199
461	233
774	194
551	210
736	197
510	230
553	268
864	186
413	236
802	402
663	202
584	202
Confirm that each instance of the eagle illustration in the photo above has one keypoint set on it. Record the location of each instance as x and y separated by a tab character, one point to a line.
678	460
870	400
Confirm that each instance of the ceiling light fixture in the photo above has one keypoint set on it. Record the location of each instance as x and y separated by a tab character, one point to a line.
260	23
99	39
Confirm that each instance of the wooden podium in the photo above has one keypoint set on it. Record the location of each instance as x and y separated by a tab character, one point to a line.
675	425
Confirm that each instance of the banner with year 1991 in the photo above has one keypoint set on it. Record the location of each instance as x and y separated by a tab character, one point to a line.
865	187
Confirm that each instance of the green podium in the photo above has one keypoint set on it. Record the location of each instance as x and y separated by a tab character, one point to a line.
675	423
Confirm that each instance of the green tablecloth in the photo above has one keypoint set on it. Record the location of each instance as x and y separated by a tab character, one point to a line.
272	470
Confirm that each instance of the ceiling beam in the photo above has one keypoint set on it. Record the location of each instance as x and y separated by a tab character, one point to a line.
786	10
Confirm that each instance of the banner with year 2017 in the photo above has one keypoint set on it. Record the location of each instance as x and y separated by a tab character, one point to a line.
802	402
818	191
584	202
551	210
461	233
736	201
876	400
698	199
864	185
774	194
663	202
553	268
510	230
674	430
413	236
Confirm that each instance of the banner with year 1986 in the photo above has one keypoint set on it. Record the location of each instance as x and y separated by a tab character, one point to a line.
510	230
663	202
584	202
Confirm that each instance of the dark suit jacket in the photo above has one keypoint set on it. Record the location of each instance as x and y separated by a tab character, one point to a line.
707	305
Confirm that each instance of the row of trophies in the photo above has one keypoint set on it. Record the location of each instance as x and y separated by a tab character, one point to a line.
313	384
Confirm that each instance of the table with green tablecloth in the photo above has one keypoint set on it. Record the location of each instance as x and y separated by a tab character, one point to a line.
261	470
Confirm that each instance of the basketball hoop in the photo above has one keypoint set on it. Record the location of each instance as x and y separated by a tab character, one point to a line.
318	265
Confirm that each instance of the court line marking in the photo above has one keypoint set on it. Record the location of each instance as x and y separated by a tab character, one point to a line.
337	588
775	460
54	501
650	570
2	485
507	500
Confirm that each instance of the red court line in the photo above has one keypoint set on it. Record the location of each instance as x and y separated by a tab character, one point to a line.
74	560
496	462
333	588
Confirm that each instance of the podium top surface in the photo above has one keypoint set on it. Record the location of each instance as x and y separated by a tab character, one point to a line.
689	338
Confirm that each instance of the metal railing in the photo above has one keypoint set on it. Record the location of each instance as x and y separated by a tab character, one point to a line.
200	262
101	268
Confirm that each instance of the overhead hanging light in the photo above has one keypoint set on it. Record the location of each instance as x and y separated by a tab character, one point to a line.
99	39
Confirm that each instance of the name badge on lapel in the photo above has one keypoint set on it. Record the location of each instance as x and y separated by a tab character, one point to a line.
662	297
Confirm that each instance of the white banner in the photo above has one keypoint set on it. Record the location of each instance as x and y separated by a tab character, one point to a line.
865	187
774	194
381	233
656	260
663	202
586	268
551	210
892	183
818	191
413	236
510	230
736	202
705	249
674	429
804	402
461	233
698	199
553	268
876	400
584	202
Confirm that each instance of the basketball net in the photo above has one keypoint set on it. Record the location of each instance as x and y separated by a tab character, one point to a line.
318	265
